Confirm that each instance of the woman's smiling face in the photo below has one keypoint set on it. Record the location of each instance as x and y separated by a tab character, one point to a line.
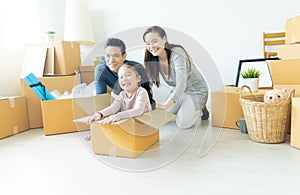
154	43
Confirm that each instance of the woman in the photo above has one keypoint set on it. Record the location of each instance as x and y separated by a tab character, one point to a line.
172	62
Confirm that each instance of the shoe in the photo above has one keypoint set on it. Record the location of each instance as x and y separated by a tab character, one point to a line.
205	115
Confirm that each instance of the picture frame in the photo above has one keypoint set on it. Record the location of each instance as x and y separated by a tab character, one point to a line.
265	79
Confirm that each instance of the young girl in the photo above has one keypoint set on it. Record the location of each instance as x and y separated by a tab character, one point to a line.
189	95
133	101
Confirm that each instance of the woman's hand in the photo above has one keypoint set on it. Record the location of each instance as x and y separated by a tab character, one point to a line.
111	119
160	106
165	106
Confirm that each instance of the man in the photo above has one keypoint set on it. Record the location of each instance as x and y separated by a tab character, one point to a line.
106	73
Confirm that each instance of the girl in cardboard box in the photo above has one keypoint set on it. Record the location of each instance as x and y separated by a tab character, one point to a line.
133	101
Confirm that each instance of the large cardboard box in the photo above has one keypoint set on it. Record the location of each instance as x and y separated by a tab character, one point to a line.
61	83
226	108
66	57
285	74
58	116
295	123
126	138
292	34
289	51
13	116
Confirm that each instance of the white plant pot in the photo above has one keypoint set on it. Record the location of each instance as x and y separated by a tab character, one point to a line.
252	83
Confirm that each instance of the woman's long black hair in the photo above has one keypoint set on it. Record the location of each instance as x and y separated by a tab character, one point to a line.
152	62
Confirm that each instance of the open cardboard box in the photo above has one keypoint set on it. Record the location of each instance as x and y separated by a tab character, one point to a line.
126	138
60	83
58	116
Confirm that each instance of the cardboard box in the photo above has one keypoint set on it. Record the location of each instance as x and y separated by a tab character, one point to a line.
226	108
126	138
295	123
289	52
292	34
285	72
61	83
87	74
66	57
13	116
58	116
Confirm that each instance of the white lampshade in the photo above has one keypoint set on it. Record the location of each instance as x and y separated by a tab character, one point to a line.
78	22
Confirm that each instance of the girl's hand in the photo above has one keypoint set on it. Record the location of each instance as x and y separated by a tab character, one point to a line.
111	119
96	117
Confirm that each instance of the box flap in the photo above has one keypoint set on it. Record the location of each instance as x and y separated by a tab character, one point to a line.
285	72
91	104
156	118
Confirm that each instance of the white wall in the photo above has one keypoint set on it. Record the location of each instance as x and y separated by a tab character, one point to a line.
229	30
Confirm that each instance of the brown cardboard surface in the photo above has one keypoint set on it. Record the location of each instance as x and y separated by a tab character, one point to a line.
61	83
66	56
87	74
226	108
58	116
292	34
285	72
295	123
126	138
289	51
13	116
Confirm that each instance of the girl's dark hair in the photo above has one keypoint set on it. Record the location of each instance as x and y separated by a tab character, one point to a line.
152	62
144	80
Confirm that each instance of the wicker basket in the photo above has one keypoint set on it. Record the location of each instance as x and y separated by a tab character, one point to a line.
266	122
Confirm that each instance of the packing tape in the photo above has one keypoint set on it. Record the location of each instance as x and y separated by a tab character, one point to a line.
112	151
12	102
16	130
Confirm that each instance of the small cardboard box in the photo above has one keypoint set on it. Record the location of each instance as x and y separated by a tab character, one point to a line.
87	74
226	108
66	57
58	116
126	138
61	83
295	123
13	116
292	34
289	52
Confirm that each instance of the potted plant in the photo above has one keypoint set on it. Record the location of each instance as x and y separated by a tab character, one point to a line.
50	35
251	78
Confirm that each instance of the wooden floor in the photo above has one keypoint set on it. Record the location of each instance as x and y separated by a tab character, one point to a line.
202	160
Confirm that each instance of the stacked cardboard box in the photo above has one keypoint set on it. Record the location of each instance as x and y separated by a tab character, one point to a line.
63	55
285	72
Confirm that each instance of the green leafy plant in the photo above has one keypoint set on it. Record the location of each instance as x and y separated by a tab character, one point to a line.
251	73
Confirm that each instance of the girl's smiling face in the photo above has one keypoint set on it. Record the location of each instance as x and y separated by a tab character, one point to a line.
128	78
